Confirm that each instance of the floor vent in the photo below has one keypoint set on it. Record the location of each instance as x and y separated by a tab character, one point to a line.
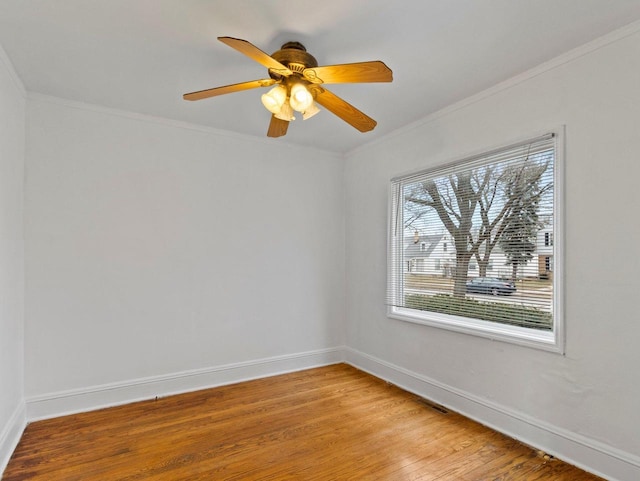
432	405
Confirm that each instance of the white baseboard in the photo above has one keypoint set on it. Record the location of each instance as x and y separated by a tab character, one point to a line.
11	434
593	456
588	454
108	395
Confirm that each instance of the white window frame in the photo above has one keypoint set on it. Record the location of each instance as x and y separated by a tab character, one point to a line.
554	340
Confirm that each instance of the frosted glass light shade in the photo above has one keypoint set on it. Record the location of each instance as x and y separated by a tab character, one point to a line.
301	99
274	99
311	111
285	113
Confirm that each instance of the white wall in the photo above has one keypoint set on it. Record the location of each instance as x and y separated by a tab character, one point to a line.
592	394
12	127
156	250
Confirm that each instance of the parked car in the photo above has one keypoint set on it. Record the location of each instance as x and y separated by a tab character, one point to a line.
490	285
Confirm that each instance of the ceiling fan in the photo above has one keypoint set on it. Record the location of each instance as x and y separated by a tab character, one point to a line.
299	85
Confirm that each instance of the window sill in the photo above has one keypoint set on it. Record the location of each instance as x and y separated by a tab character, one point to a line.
544	340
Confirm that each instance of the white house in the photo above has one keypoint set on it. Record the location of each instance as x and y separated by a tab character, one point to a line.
544	250
434	255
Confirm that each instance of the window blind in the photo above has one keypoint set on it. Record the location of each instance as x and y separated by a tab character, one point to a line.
474	239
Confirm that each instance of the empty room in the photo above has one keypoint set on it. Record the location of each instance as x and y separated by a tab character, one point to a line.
268	240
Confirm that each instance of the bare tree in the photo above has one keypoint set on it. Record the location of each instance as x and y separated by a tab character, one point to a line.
455	200
499	199
492	224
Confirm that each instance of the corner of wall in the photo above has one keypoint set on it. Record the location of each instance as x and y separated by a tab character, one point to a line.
11	434
6	61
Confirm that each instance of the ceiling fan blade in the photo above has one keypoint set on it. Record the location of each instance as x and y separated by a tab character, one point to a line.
227	89
345	111
277	127
374	71
256	54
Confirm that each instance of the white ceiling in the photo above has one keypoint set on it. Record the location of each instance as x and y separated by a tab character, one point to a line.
142	55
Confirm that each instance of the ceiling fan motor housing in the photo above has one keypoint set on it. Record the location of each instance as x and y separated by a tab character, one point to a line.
295	57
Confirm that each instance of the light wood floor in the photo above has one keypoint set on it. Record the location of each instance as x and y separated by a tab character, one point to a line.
329	423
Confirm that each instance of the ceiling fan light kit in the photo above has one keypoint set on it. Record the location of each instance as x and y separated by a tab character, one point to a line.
298	96
299	85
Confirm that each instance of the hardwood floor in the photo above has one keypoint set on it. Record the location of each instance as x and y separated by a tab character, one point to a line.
329	423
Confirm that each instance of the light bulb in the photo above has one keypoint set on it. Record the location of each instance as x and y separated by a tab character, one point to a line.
285	113
311	111
274	99
301	99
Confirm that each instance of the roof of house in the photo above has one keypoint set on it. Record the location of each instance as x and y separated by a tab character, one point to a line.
415	247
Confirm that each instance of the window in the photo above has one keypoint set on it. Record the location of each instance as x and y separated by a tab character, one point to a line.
548	239
493	207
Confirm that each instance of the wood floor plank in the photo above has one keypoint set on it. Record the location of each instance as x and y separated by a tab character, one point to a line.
330	423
